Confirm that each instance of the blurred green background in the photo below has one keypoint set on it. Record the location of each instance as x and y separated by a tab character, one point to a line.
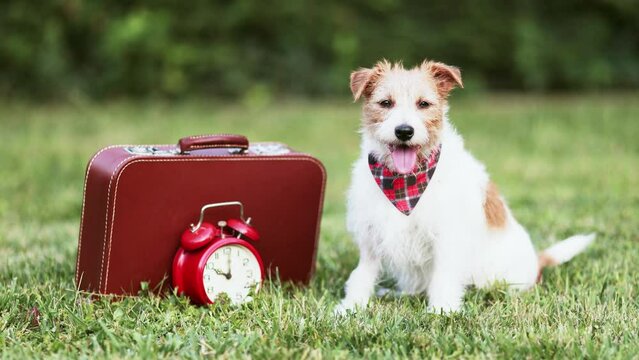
560	140
257	49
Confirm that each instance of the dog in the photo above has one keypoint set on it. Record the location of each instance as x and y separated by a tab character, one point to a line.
421	206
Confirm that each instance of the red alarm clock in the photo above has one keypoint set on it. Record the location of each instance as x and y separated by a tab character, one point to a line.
215	260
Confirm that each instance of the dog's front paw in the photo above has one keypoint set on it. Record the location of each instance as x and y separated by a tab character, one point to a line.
444	309
341	310
445	296
348	307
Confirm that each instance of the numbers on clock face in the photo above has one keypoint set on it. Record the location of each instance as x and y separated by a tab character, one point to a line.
232	270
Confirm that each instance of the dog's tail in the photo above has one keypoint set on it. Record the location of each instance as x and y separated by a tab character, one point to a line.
563	251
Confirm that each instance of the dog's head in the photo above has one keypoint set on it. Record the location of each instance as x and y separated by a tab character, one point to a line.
404	109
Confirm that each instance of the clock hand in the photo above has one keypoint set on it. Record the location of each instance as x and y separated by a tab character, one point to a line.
221	225
219	272
228	274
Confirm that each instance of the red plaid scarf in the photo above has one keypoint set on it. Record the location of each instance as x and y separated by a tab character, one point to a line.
404	191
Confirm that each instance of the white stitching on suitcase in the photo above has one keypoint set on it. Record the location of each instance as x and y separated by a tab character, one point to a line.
106	221
115	197
84	195
210	135
214	146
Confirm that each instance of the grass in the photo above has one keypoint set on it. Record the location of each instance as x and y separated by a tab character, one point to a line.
566	164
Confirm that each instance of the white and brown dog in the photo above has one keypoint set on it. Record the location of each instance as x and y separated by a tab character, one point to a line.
422	206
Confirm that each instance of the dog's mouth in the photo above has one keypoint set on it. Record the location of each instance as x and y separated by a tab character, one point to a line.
404	157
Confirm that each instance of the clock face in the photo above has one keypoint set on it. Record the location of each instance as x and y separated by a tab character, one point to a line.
232	270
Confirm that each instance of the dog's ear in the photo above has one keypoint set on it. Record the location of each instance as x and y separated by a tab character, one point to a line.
447	77
359	80
363	80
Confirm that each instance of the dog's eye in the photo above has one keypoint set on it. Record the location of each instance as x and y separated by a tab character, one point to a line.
385	103
423	104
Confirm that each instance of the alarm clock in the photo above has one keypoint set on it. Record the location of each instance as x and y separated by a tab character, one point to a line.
215	260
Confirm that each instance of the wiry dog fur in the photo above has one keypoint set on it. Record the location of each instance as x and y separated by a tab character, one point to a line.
461	232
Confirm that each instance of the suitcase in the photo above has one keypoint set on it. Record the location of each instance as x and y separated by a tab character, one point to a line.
139	199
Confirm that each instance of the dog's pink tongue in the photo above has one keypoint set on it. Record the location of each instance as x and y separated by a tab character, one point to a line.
404	158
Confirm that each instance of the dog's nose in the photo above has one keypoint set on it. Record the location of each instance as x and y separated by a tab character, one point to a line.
404	132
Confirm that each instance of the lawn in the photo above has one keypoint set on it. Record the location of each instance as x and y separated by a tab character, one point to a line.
567	164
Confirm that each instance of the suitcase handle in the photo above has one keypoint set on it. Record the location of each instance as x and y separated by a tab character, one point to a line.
198	142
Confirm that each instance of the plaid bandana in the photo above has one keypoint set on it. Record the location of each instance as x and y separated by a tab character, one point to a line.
404	191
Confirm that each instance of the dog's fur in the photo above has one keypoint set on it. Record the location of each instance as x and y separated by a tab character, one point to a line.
461	232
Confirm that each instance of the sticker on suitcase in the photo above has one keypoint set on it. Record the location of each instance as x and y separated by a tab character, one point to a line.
150	150
265	149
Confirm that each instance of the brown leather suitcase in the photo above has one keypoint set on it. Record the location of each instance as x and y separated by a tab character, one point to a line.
139	199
